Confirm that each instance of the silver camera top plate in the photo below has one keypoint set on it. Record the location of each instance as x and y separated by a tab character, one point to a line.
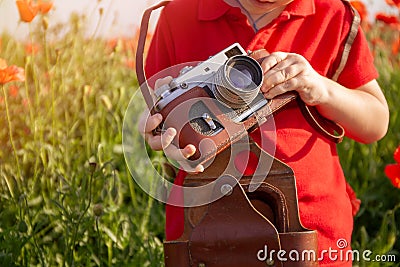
192	76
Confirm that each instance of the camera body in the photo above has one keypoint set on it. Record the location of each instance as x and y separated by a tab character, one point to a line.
209	104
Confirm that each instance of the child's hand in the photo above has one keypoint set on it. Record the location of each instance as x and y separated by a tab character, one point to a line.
292	72
148	123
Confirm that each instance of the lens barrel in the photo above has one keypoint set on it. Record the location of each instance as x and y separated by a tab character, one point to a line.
238	81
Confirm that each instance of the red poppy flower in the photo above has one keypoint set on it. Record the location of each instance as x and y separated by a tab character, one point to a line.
396	155
392	171
355	202
13	90
393	3
44	7
10	73
361	8
377	42
388	19
396	49
112	43
28	9
130	64
32	49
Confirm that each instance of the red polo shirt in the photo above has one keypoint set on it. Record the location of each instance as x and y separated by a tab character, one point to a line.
192	30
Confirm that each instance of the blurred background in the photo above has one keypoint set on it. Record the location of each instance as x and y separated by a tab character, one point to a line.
120	16
119	19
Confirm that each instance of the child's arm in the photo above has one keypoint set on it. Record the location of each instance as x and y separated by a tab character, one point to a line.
363	112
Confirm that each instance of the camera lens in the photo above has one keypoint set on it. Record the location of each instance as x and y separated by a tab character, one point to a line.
238	81
240	78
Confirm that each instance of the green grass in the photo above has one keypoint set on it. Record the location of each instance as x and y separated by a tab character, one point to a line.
69	200
66	196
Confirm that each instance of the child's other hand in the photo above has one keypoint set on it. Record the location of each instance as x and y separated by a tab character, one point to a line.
148	123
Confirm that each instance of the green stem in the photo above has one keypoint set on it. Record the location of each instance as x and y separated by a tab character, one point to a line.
150	201
34	238
10	131
32	122
98	240
87	126
75	235
132	189
38	128
53	102
110	253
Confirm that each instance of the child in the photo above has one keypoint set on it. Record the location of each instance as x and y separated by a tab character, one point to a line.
305	40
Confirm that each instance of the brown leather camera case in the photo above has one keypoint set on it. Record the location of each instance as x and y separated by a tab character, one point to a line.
241	226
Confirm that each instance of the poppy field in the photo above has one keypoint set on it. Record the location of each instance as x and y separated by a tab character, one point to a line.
66	195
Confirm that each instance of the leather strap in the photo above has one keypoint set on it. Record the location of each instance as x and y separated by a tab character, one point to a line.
326	127
274	105
329	129
140	72
321	124
349	41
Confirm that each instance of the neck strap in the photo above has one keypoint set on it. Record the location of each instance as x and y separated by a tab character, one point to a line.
140	72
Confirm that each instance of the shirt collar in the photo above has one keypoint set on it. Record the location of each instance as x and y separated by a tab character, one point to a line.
214	9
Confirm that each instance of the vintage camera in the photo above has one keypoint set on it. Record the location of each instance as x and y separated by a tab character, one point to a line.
212	100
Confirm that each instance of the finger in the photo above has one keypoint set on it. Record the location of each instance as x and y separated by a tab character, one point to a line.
144	117
289	85
154	141
181	156
287	62
148	123
272	60
197	169
167	137
177	154
280	74
160	142
188	168
259	55
162	81
153	122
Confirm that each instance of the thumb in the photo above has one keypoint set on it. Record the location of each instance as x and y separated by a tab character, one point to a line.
162	81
